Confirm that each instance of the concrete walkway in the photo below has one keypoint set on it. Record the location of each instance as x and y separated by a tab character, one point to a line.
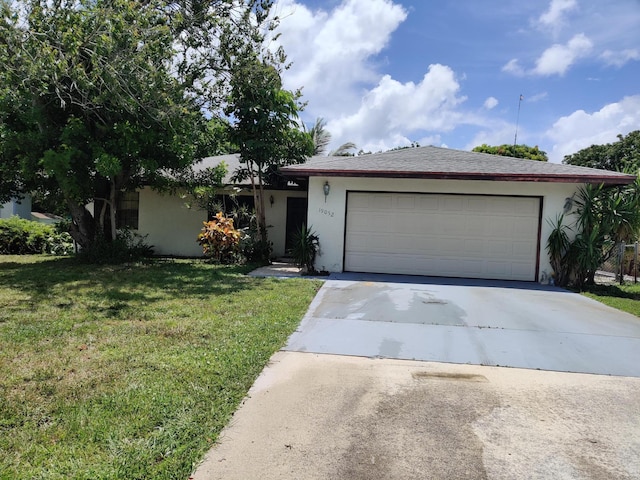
277	269
318	417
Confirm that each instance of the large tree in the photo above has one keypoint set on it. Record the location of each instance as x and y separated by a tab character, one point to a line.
516	151
622	155
100	96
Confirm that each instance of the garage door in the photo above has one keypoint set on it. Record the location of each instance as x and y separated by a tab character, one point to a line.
469	236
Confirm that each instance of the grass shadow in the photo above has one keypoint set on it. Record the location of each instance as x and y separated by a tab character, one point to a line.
631	292
121	284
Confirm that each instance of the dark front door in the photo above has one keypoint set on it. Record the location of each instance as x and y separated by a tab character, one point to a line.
296	217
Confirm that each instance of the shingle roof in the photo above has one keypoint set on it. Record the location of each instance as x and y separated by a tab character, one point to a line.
232	161
444	163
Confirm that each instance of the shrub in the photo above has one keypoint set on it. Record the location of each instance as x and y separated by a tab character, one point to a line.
22	237
128	246
305	248
253	248
220	239
60	244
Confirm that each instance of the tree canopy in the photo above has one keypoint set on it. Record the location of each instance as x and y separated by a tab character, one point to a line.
517	151
266	127
101	96
622	155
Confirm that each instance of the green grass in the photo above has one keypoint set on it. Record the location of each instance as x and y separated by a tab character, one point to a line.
129	372
623	297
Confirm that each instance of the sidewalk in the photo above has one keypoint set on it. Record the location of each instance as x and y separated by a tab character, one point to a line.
278	269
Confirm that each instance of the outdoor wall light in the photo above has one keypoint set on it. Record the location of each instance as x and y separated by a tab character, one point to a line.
326	188
271	200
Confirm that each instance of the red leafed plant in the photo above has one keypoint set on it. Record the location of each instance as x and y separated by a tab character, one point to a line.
219	239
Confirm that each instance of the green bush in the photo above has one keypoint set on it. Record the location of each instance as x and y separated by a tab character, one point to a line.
127	247
23	237
219	239
253	248
305	248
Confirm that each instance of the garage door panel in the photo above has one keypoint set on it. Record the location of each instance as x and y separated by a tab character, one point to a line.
427	203
406	202
523	249
444	235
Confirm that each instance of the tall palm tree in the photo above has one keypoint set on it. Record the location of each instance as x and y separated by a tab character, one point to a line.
321	137
343	150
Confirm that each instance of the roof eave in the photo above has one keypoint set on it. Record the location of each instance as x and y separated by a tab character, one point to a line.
504	177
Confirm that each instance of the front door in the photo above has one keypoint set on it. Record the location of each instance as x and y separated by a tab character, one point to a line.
296	217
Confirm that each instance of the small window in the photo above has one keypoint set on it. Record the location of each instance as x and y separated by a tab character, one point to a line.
239	207
127	212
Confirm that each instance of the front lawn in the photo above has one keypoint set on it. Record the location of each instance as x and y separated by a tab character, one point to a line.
623	297
129	372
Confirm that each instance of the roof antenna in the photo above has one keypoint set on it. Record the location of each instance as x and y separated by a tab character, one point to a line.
515	139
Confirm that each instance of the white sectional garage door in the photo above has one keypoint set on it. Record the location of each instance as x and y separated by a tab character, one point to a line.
469	236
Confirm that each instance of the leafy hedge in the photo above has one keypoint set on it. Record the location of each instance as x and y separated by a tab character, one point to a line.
22	237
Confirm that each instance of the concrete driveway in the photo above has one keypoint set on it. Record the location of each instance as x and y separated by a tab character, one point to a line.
313	416
513	324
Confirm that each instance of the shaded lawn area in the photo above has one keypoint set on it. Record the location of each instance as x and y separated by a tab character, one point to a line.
623	297
129	372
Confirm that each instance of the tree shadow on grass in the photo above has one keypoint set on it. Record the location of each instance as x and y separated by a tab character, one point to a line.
120	284
614	291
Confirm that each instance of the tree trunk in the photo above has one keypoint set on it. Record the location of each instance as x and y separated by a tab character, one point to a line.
258	202
261	215
83	225
113	208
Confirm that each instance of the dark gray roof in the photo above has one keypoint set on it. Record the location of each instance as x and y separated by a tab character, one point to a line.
232	161
444	163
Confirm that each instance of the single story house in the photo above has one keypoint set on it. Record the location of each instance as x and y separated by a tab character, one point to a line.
441	212
173	222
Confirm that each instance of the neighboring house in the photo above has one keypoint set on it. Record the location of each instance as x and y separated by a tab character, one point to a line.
441	212
17	206
47	218
172	224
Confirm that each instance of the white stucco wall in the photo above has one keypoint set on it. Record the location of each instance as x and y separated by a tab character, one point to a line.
20	207
327	218
172	228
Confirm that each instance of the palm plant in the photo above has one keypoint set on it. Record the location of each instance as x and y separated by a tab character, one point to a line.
559	247
604	217
305	248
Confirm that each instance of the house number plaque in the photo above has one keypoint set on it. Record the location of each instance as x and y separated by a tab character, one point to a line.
326	212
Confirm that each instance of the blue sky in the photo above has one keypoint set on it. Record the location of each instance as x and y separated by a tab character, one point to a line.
384	73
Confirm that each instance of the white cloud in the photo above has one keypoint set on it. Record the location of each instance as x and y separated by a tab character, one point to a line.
581	129
537	97
498	133
558	58
330	50
513	67
393	110
553	17
618	59
490	103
